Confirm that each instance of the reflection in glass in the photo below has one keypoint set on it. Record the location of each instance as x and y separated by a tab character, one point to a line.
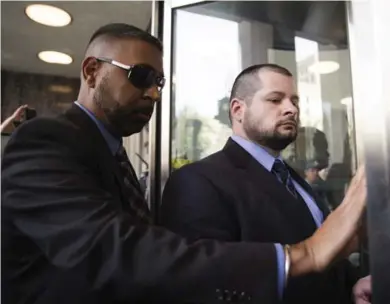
204	71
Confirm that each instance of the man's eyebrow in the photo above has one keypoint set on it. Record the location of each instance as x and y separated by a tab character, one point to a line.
276	92
294	96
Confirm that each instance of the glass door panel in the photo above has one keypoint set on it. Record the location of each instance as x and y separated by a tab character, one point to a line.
213	42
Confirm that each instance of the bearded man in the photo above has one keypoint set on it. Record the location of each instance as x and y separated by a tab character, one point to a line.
246	192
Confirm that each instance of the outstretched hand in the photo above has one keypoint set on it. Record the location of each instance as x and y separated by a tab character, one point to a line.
338	236
16	116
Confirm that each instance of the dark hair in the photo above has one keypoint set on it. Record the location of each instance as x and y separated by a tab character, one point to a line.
245	85
123	30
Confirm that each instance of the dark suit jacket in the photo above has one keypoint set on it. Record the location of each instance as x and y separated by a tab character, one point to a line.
69	236
229	196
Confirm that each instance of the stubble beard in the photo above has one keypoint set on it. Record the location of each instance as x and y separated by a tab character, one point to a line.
272	139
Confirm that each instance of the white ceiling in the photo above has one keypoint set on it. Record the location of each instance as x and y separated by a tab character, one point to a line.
22	38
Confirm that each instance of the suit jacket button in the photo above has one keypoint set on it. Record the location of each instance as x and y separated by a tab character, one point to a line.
234	297
220	295
226	295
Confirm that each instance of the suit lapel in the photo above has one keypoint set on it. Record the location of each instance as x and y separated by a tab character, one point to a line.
295	211
106	161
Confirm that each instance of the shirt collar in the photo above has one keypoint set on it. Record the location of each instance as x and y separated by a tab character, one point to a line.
258	152
113	142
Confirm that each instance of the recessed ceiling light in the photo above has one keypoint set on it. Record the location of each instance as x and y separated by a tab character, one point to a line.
55	57
48	15
324	67
58	88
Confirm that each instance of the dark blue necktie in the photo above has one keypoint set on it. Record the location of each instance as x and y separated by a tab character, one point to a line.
281	171
135	197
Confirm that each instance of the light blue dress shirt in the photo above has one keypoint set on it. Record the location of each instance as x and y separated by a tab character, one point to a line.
260	154
113	142
267	161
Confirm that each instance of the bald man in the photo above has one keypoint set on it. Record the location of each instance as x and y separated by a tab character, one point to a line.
75	227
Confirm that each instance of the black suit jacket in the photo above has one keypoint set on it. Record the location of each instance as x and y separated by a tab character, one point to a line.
230	196
69	236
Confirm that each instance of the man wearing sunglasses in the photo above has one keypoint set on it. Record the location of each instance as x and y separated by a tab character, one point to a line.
75	226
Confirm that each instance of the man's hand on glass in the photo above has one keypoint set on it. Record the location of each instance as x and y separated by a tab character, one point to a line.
337	237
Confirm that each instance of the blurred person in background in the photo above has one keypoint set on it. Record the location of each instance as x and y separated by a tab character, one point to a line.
8	125
314	179
11	123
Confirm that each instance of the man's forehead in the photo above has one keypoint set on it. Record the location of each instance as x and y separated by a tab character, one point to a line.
273	80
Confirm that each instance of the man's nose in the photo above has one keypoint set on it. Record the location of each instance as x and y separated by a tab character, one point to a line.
154	93
290	107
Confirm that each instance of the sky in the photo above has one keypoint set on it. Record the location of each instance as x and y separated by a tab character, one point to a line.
204	69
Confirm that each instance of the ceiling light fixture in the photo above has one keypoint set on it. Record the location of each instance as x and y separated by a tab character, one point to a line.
59	88
55	57
48	15
324	67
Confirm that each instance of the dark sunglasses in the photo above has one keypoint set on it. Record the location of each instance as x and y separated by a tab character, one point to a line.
142	76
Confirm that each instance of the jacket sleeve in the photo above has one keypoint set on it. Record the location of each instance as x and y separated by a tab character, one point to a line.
53	198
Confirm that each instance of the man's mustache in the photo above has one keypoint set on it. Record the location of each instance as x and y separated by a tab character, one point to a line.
144	109
288	121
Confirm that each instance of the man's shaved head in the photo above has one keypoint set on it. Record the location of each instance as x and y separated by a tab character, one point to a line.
118	31
102	41
247	83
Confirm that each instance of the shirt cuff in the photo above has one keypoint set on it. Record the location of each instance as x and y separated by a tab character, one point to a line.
281	260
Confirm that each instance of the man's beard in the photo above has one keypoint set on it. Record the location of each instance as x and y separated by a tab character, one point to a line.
116	118
271	139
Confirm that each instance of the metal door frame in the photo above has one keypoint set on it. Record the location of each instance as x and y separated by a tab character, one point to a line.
367	24
166	116
154	177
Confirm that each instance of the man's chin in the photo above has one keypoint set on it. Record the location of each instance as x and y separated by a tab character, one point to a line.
288	133
132	130
280	143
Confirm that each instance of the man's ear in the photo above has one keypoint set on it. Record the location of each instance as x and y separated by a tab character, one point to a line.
90	67
237	108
